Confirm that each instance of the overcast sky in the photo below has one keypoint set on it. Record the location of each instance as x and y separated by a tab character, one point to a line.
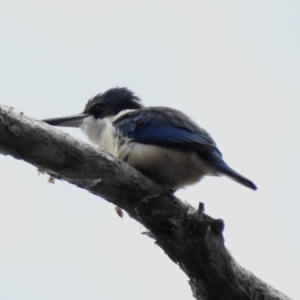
233	66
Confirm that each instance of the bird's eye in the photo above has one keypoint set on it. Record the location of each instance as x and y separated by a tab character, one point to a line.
97	108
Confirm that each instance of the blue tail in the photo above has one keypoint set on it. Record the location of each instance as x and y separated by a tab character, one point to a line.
214	158
227	171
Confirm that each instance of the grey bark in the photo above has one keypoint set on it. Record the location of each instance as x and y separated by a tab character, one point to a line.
190	238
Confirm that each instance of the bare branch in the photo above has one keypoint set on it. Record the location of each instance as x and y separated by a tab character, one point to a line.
192	239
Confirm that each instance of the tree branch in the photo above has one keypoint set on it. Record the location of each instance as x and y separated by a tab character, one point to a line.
191	239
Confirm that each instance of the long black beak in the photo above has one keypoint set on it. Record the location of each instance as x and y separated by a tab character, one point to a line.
69	121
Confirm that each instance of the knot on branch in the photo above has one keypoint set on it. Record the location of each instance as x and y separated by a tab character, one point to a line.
163	214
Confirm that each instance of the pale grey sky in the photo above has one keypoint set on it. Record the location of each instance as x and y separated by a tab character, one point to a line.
233	66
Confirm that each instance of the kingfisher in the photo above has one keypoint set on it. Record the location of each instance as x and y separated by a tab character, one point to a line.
161	142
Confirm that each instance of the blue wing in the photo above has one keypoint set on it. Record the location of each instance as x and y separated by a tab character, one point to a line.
164	126
169	127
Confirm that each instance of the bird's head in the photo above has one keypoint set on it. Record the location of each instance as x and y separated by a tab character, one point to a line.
111	102
106	104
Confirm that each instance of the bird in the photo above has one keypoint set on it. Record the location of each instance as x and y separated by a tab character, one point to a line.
161	142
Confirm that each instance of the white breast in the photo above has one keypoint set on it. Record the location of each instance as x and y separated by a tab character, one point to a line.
103	134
